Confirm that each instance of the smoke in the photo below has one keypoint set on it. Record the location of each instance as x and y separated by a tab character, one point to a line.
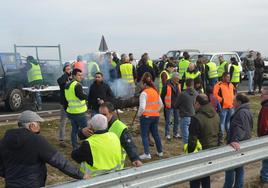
120	87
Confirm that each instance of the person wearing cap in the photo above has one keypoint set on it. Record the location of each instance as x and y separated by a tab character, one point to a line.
62	82
120	129
165	75
169	96
24	154
203	132
77	107
101	152
35	78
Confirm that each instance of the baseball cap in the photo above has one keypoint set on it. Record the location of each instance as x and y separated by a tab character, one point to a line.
29	116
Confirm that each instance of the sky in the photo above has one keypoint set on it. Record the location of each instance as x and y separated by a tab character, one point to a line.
137	26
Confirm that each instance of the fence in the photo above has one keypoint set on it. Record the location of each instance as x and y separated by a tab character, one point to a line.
179	169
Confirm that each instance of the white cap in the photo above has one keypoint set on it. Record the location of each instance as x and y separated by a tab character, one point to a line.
98	122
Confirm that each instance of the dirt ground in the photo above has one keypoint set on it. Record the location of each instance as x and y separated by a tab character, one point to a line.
171	148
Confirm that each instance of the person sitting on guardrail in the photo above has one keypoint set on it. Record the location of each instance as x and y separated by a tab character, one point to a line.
24	154
263	130
203	132
240	129
120	129
101	152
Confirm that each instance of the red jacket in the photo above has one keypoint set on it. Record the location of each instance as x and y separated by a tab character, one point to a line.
263	119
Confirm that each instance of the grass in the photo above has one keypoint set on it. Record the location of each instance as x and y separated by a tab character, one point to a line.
171	148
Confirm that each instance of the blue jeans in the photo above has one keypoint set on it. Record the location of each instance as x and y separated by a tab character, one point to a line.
167	120
225	117
78	121
185	122
212	81
264	170
250	75
150	123
38	98
236	175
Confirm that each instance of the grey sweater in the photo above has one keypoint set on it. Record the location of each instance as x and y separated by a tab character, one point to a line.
185	102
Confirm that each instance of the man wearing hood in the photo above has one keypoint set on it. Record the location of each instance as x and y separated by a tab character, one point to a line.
24	154
203	130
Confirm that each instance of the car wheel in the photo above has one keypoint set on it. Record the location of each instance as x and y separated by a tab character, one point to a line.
14	100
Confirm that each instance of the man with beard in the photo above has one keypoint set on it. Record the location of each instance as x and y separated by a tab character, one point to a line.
100	92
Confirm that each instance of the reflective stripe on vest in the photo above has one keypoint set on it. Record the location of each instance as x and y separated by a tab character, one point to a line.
183	66
75	105
152	107
150	63
236	74
106	154
190	76
127	72
34	73
168	97
212	73
90	73
221	69
160	83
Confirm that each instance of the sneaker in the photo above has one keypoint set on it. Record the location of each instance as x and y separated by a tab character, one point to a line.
160	154
168	137
120	111
145	156
177	136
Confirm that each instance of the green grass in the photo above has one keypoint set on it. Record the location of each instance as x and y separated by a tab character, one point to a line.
171	148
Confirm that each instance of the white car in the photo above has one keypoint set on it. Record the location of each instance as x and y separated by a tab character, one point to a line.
265	73
214	57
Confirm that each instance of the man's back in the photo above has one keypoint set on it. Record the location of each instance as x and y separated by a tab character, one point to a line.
23	156
185	102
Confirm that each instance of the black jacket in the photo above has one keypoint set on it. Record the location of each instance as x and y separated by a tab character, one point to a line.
174	93
23	158
125	140
62	82
101	91
143	68
241	124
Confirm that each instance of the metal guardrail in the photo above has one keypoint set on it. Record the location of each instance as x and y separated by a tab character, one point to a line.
179	169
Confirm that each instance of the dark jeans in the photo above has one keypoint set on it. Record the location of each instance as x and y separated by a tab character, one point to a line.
78	121
258	80
204	182
234	178
168	112
150	124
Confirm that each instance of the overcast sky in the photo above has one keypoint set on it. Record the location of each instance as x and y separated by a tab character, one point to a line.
137	26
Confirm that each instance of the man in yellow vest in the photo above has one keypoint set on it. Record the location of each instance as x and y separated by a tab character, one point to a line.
165	75
101	152
184	64
191	73
127	72
223	67
211	73
169	96
235	72
120	129
35	78
77	107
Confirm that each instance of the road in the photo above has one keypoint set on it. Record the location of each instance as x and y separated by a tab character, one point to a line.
53	104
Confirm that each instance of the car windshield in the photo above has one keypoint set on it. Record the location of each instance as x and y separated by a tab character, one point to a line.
194	58
173	54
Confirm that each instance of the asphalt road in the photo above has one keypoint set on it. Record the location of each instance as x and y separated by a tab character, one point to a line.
53	103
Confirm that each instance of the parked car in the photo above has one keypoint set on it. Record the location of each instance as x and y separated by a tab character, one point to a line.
178	54
265	72
214	57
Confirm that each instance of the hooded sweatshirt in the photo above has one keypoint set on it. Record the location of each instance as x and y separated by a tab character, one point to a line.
185	102
204	126
23	158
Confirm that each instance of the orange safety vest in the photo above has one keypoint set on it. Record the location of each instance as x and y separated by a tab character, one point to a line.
152	107
168	95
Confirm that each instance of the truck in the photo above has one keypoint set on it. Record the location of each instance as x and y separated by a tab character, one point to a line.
13	76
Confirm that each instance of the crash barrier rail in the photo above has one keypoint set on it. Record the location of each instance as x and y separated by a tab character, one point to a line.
179	169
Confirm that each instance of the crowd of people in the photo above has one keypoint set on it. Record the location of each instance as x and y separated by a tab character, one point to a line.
201	102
